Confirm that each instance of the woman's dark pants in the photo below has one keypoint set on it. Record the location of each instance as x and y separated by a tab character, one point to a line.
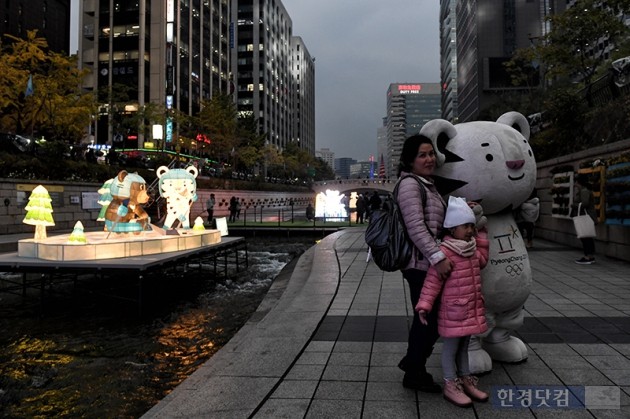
421	338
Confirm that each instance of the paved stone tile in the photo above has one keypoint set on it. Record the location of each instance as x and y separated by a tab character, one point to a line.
567	361
389	409
340	390
488	411
388	392
582	377
390	347
620	377
320	346
551	349
345	373
283	408
353	346
295	389
347	409
313	358
622	348
589	349
602	362
533	376
391	374
305	372
349	358
385	359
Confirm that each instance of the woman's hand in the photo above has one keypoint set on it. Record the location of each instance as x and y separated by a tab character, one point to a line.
444	268
422	315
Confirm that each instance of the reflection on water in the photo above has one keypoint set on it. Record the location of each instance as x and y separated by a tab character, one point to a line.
90	356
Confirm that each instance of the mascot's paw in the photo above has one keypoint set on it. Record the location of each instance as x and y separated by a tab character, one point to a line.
511	351
479	361
480	219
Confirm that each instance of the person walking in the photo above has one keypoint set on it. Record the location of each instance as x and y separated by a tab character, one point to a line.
584	195
232	209
423	221
461	312
238	208
360	206
210	208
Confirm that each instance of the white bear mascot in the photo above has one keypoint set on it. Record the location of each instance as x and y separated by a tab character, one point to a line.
492	163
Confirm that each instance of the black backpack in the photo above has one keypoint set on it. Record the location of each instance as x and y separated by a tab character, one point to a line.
386	235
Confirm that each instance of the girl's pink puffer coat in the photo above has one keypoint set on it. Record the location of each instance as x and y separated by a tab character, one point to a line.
462	311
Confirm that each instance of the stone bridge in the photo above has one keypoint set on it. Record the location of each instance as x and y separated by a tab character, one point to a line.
346	186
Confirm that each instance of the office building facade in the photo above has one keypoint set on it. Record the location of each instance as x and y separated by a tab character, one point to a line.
269	66
342	167
173	54
304	96
51	19
327	155
487	35
409	107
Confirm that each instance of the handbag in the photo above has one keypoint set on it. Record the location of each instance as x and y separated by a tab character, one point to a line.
584	224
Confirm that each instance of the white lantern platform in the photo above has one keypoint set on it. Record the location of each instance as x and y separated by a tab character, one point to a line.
103	245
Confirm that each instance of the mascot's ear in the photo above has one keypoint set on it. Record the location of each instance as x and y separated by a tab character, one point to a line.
161	171
440	131
516	121
192	170
122	175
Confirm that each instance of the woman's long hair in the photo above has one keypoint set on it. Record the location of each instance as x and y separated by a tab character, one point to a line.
410	152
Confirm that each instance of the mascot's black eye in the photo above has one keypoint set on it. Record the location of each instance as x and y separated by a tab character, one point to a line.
489	157
530	153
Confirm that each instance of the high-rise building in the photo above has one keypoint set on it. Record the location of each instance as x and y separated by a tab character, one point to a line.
409	107
270	64
448	59
342	167
381	146
51	18
327	156
487	35
171	53
304	91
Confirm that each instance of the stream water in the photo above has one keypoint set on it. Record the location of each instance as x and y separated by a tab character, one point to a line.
84	355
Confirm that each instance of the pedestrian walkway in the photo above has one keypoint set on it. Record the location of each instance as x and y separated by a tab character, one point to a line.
326	341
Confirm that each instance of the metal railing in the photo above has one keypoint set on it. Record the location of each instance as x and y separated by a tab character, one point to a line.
282	217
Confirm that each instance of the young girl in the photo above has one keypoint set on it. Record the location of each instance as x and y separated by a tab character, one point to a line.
461	312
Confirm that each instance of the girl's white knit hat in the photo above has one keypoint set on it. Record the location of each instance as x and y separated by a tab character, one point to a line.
458	212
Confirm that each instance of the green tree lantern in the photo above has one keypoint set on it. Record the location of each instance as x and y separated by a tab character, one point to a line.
39	212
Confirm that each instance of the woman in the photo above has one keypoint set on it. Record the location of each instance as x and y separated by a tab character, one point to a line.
423	224
583	195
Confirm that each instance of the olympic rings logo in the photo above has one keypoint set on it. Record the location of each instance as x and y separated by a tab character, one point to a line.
514	270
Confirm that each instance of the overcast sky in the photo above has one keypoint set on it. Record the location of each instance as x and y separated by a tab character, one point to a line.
360	48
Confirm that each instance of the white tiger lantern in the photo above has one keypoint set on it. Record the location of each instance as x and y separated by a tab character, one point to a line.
179	188
492	163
